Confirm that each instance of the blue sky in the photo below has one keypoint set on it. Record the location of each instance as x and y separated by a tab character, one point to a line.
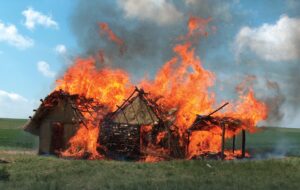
34	56
18	66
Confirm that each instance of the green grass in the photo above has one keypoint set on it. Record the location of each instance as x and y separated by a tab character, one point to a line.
29	171
11	123
284	141
270	142
33	172
13	137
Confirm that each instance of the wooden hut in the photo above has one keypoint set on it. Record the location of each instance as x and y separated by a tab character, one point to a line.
122	132
55	122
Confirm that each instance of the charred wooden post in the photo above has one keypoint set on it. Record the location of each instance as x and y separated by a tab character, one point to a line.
233	144
223	141
243	143
188	142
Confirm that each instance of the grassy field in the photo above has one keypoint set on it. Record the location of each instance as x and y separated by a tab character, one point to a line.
12	137
29	171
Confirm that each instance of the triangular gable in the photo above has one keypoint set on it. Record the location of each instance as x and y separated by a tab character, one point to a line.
136	110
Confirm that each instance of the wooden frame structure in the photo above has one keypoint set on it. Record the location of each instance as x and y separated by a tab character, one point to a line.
233	143
206	121
122	129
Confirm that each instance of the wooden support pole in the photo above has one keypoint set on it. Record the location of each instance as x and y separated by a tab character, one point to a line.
233	144
243	143
188	143
223	141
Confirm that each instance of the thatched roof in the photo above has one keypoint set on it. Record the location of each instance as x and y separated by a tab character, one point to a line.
137	110
48	105
204	122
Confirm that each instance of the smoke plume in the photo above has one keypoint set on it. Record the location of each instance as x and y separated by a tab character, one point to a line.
148	29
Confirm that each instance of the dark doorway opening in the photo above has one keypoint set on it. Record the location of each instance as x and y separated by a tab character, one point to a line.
57	137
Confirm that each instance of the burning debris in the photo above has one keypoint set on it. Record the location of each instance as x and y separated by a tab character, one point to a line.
220	125
82	119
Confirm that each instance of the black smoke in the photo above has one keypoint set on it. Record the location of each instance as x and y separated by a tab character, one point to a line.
149	45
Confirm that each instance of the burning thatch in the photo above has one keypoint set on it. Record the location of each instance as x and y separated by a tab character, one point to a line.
142	128
229	124
138	129
57	120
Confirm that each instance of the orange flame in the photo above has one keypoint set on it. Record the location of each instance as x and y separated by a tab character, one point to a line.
104	27
84	143
183	83
108	86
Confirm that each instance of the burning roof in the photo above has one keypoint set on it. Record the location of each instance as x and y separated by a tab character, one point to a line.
48	105
179	93
136	110
78	104
58	118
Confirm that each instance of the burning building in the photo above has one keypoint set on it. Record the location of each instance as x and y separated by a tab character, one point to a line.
166	122
223	127
56	120
137	129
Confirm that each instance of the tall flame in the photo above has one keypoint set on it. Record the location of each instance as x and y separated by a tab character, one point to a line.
182	81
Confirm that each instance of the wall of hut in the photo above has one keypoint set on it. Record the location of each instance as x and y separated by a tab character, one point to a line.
56	129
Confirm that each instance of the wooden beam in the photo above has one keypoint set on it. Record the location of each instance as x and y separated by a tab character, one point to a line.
243	143
223	141
233	144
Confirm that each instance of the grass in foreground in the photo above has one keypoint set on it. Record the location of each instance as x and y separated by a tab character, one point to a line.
28	171
34	172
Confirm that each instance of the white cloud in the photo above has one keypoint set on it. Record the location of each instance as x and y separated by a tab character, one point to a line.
12	96
61	49
33	18
278	42
14	105
159	11
9	34
44	68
